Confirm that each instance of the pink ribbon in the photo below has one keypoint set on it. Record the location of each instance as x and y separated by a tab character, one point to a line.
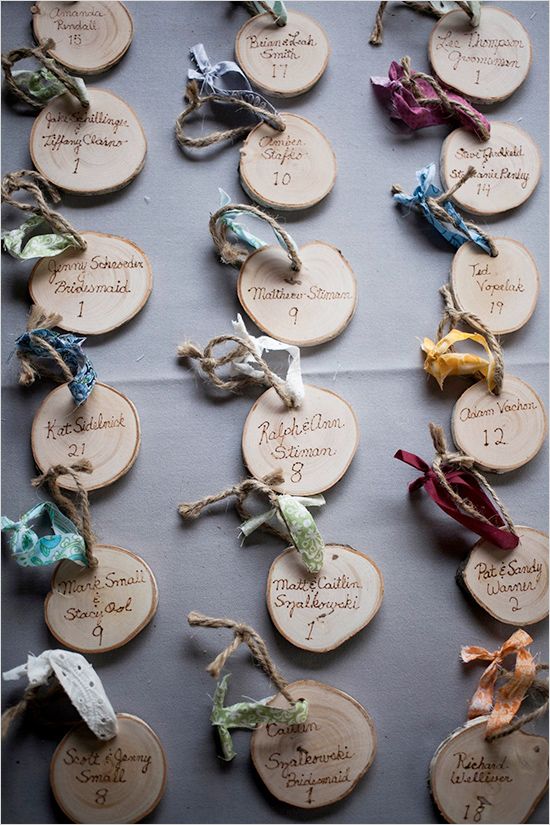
467	486
403	105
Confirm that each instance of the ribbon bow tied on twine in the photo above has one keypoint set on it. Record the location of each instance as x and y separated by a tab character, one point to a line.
502	705
40	346
454	484
79	681
276	8
39	87
30	550
290	512
441	361
419	101
436	207
248	714
435	8
34	238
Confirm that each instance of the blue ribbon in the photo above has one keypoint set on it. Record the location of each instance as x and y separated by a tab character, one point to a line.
69	347
241	232
30	550
427	189
227	79
277	7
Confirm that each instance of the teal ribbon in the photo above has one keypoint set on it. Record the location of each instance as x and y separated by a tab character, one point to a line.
32	240
30	550
248	715
44	86
230	219
277	7
292	513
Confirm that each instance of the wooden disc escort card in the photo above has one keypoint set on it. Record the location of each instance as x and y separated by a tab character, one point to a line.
96	609
121	780
501	432
320	611
313	445
501	291
473	780
507	167
283	61
89	37
486	63
95	290
88	151
510	585
304	308
287	170
320	761
104	429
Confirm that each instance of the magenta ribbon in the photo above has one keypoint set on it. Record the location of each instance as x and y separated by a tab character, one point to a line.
403	105
467	486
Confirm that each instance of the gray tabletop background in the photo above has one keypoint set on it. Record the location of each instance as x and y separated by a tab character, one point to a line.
404	667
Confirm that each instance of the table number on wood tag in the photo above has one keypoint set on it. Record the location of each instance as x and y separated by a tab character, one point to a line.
486	63
284	61
118	781
104	429
97	609
305	308
501	432
320	761
502	291
88	151
312	446
320	611
95	290
473	780
89	37
508	168
288	170
511	586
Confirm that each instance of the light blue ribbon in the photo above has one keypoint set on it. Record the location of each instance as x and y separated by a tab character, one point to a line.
230	219
427	189
277	7
30	550
227	79
69	347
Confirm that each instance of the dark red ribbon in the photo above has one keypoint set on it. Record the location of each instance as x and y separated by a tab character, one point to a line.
467	486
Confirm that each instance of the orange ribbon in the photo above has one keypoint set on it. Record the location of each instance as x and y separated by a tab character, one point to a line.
503	706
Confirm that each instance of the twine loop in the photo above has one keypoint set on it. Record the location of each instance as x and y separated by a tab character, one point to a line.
452	315
39	188
78	513
196	101
376	37
210	364
232	253
279	19
38	318
40	53
445	458
538	690
242	634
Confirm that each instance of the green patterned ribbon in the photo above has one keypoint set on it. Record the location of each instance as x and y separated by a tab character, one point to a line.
248	715
292	513
44	86
35	239
30	550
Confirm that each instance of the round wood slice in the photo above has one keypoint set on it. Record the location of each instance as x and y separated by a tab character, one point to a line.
95	290
320	761
320	611
88	151
473	780
305	308
105	430
94	610
283	61
89	37
487	63
313	446
501	432
118	781
507	168
501	291
512	586
287	170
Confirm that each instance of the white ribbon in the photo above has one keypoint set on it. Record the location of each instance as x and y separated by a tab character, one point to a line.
293	383
79	681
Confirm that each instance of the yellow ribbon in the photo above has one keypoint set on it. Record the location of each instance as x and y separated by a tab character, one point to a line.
441	361
504	706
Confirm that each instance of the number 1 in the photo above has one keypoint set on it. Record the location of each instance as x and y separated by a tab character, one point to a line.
81	305
75	170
